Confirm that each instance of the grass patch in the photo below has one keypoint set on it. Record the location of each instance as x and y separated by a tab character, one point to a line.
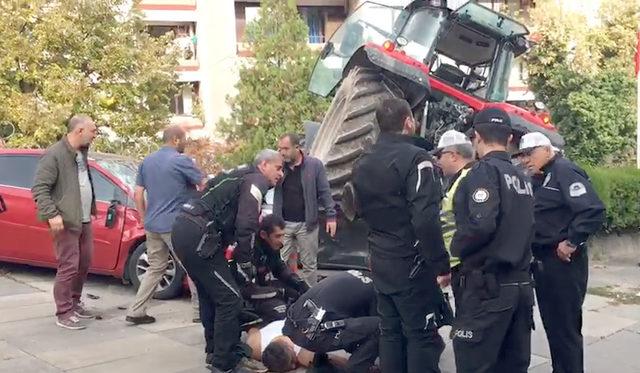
617	297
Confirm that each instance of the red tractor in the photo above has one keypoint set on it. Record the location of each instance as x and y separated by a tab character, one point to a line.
446	63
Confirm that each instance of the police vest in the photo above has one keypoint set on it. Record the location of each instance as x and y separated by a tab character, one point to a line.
447	217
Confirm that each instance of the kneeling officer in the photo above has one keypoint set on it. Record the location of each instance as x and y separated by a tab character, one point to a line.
227	212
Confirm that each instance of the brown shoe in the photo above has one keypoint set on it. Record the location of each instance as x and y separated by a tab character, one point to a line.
70	322
138	320
83	313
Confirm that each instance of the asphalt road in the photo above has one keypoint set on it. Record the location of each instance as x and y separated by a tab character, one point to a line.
30	342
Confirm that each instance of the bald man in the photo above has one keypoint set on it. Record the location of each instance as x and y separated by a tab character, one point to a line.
169	179
63	192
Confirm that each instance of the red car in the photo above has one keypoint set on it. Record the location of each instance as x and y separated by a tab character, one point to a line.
119	249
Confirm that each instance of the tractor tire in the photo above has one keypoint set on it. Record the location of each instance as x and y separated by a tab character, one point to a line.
349	127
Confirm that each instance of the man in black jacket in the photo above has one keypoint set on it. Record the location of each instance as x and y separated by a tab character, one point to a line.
494	219
227	212
275	284
398	195
567	212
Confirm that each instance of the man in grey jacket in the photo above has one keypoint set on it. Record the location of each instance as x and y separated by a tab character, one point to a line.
64	194
297	199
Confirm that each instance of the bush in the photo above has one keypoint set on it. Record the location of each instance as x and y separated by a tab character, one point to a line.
619	189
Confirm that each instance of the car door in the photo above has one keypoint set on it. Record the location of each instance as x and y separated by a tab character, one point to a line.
22	236
107	239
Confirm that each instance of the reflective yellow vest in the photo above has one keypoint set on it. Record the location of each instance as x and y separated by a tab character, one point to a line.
447	217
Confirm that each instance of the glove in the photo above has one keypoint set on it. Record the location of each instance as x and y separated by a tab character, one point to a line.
247	270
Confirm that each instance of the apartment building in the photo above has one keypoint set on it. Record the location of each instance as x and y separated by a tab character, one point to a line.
211	37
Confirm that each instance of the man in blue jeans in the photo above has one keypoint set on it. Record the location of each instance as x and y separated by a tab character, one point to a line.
169	178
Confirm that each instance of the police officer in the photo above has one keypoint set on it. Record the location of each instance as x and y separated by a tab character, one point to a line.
567	212
275	285
337	313
226	212
455	156
494	220
397	193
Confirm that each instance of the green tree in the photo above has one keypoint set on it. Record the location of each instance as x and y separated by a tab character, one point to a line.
272	94
585	75
94	57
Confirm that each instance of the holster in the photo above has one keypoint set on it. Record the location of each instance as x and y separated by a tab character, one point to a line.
444	312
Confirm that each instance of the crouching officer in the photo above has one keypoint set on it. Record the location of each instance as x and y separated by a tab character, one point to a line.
275	285
398	194
567	212
338	313
494	220
226	212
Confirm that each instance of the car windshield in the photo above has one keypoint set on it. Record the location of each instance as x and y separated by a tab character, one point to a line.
125	170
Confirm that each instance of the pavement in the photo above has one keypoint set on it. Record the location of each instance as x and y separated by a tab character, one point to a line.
30	342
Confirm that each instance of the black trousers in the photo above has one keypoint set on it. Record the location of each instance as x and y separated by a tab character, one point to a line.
408	342
219	296
359	337
561	288
492	330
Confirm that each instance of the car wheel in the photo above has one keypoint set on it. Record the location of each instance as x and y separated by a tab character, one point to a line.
170	285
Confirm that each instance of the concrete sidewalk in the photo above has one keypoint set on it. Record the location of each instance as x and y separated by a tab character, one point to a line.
30	342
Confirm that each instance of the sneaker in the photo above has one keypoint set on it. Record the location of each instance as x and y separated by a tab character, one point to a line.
248	319
252	365
83	313
138	320
71	323
209	359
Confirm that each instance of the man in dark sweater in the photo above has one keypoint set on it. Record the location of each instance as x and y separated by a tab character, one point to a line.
297	199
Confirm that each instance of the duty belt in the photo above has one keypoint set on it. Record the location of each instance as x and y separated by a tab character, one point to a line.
312	323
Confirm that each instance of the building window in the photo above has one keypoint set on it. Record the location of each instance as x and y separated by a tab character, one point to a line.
315	18
182	100
184	37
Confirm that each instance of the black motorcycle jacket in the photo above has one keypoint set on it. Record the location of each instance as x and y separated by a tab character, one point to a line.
493	209
398	194
268	263
232	201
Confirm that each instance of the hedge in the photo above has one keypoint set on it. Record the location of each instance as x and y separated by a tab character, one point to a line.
619	189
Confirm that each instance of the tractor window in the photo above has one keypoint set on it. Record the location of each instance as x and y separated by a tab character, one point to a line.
371	22
421	32
499	87
494	23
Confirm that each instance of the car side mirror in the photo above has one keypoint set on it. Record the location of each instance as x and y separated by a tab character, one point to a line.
110	221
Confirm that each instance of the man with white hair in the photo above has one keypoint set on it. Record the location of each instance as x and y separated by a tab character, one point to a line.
227	212
455	157
567	211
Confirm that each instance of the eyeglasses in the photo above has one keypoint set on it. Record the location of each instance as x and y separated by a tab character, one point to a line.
528	152
443	153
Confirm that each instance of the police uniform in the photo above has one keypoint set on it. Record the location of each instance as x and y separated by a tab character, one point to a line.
338	313
398	195
566	208
494	220
227	212
275	285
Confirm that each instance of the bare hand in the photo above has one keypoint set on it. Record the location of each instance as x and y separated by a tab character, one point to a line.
332	226
444	280
56	224
564	251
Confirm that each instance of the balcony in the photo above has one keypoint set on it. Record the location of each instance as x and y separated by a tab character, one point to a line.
168	4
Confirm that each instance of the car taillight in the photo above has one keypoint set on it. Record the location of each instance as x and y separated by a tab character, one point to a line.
389	46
